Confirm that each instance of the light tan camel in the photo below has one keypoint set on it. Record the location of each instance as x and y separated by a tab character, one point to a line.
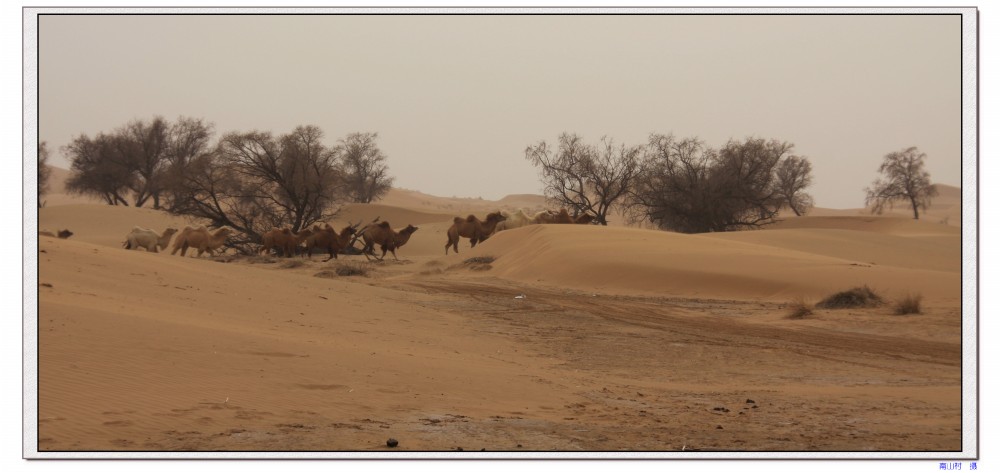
472	228
200	239
327	238
145	238
516	220
386	238
562	216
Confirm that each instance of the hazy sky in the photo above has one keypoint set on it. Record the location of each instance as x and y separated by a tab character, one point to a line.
456	99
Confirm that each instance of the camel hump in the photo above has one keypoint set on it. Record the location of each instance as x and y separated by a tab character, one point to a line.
471	218
384	225
286	231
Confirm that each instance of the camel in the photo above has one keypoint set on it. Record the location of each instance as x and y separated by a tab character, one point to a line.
516	220
283	239
562	216
473	229
326	237
145	238
388	239
544	217
200	239
63	234
585	219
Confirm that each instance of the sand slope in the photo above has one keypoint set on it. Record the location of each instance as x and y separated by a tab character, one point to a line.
135	346
738	265
152	352
625	339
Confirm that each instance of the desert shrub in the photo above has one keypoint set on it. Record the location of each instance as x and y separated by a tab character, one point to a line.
295	263
351	269
909	304
480	260
861	296
478	263
326	274
799	308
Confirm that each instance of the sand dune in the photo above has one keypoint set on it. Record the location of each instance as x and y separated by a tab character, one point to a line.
810	256
106	225
882	224
623	339
416	200
740	265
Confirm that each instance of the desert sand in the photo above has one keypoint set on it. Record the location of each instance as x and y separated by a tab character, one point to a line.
546	338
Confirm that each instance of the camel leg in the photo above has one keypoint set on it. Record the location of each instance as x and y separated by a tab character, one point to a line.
333	255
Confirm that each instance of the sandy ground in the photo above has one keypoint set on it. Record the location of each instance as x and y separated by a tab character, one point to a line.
553	338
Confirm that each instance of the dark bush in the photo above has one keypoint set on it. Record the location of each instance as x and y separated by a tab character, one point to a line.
862	296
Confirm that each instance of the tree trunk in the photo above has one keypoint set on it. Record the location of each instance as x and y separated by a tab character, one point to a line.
913	202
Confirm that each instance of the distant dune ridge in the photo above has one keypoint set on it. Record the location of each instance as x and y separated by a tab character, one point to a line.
148	351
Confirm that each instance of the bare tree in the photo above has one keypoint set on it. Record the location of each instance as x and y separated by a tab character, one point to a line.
690	188
99	169
674	190
188	140
144	147
365	172
254	182
132	159
44	172
794	176
585	178
905	180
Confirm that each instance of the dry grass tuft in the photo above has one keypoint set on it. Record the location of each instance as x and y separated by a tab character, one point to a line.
909	304
799	309
295	263
480	260
352	269
261	260
326	274
479	263
862	296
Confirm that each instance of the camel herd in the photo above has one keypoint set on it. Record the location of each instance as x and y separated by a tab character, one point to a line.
284	242
479	230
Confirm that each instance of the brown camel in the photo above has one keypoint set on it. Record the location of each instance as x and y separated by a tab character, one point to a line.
284	240
327	238
584	219
386	238
472	228
200	239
